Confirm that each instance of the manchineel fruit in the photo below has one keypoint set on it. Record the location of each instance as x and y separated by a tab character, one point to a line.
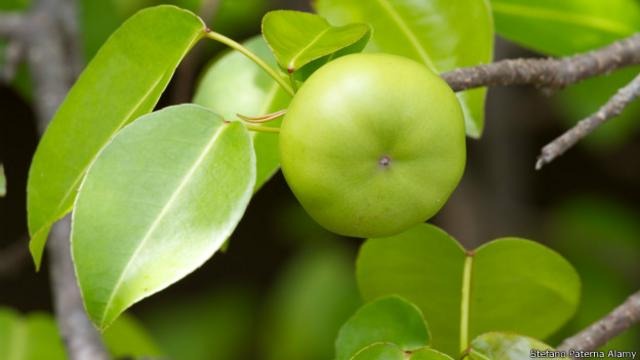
373	144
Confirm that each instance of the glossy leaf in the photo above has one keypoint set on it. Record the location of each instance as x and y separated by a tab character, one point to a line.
388	351
234	85
386	320
442	34
3	182
568	26
127	337
313	297
429	354
98	19
379	351
298	38
508	284
502	346
157	203
32	337
123	81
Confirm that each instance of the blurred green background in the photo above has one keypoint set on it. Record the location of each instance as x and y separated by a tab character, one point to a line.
284	285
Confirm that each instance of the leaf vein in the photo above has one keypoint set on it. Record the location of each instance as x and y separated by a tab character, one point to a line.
163	212
292	65
406	30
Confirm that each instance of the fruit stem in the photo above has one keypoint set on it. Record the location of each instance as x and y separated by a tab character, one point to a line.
264	129
253	57
262	118
293	82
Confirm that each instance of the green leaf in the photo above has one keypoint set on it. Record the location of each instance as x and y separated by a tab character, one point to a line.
442	34
3	182
386	320
568	26
298	38
388	351
160	199
429	354
379	351
508	284
127	337
32	337
123	81
502	346
313	297
234	85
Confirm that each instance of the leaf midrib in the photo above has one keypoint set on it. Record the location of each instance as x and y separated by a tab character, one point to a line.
126	119
291	66
56	216
585	21
183	182
406	31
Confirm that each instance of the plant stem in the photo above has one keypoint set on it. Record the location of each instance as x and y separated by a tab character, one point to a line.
253	57
262	118
464	306
292	80
264	129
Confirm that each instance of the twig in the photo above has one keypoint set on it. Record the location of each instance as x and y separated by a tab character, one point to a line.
549	73
48	40
11	24
81	339
605	329
611	109
14	54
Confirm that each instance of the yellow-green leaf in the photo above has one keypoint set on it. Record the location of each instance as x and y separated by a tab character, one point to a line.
508	284
123	81
157	203
298	38
503	346
235	85
31	337
389	320
567	26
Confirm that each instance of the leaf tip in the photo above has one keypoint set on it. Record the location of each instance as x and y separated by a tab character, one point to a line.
36	246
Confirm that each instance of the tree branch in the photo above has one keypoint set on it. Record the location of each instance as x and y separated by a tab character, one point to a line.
548	73
80	337
51	46
605	329
611	109
11	24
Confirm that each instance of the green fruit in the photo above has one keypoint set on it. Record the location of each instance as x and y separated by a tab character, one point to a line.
373	144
